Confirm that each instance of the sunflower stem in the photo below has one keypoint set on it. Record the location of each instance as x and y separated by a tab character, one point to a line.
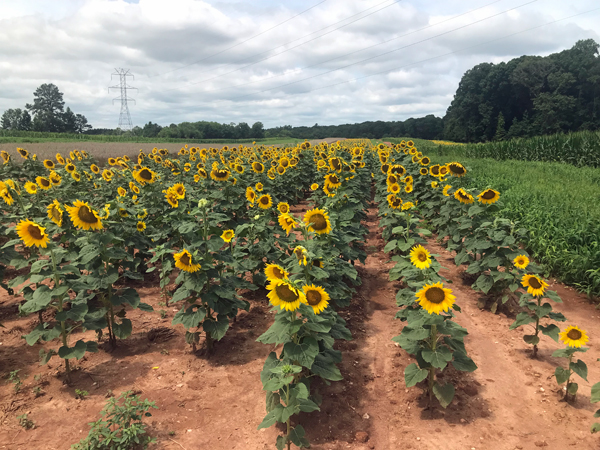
433	344
569	378
63	331
288	423
537	328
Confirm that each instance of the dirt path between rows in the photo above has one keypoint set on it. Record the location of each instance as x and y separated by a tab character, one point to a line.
510	402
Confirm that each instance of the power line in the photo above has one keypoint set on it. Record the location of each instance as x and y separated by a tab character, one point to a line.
124	117
357	51
243	42
289	42
440	56
388	52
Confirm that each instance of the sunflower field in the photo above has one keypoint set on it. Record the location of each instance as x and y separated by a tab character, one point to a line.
211	225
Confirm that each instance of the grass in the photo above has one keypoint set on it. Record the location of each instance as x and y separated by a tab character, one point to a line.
559	205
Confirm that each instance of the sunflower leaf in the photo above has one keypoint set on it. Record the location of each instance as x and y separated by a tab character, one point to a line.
438	358
531	339
444	393
326	368
297	436
573	388
551	331
463	363
595	398
595	427
522	319
580	368
415	334
413	375
561	374
304	353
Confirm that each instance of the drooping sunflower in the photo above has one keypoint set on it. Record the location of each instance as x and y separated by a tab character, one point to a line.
574	337
332	180
134	188
228	235
121	191
60	159
83	216
446	190
32	234
144	175
463	196
287	222
31	187
534	284
316	297
265	201
521	262
397	170
171	198
55	212
250	195
24	153
285	295
8	199
202	172
317	221
394	202
183	261
420	257
5	157
283	207
49	164
435	299
141	226
275	272
301	254
489	196
456	169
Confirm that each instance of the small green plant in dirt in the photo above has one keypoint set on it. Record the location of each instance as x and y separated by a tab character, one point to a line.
574	338
81	394
121	426
595	398
536	311
26	423
37	391
14	378
163	314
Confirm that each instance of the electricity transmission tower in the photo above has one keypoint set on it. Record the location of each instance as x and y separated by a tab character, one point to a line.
124	118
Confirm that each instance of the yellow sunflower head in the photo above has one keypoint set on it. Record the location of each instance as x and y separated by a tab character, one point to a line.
143	175
31	187
574	337
446	190
5	156
44	183
489	196
420	257
258	187
179	190
121	191
287	222
521	262
83	216
301	254
435	299
317	220
394	202
456	169
285	295
265	201
314	186
407	205
228	235
49	164
24	153
534	284
250	195
316	297
32	234
141	226
463	196
55	212
183	261
283	207
171	198
275	272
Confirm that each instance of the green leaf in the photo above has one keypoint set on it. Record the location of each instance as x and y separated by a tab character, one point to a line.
127	296
216	328
190	317
77	351
43	333
552	295
572	389
304	353
273	399
595	398
297	436
410	346
281	442
438	358
595	427
463	363
485	283
181	294
444	393
269	420
76	313
413	375
326	368
580	368
543	310
390	246
307	405
551	331
531	339
415	334
522	319
561	374
122	330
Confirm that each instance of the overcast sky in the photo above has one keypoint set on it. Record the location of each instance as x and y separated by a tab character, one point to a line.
393	60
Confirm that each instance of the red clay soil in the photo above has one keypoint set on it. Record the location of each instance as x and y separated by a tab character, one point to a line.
216	402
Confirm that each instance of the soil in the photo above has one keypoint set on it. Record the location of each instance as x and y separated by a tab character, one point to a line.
511	402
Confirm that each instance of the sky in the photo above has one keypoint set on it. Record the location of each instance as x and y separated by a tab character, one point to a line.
278	62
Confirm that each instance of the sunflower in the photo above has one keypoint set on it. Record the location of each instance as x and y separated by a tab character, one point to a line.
316	297
5	156
121	191
265	201
332	180
446	189
408	188
275	272
107	175
24	153
434	298
70	167
32	234
394	202
434	170
141	226
394	188
534	284
489	196
314	186
60	159
301	253
280	170
228	235
521	262
31	187
144	175
94	168
43	183
76	176
434	184
317	263
49	164
83	216
134	188
425	161
408	205
8	199
123	212
220	174
287	222
285	295
397	170
143	214
258	187
179	190
574	337
171	198
183	261
250	195
318	221
283	207
420	257
463	196
55	212
456	169
258	167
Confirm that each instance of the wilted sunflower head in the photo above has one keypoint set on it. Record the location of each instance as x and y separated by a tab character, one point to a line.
457	169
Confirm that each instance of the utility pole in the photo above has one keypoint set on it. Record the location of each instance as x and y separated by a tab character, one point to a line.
124	118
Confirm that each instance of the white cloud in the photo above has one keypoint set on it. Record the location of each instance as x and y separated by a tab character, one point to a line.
168	46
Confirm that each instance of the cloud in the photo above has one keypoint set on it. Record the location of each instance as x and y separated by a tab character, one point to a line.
342	61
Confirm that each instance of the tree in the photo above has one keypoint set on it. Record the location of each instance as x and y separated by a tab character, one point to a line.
81	124
257	131
16	119
500	128
69	121
47	108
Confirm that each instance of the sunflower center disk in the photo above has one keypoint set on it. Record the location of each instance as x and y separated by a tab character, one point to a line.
534	283
286	294
488	195
35	232
574	334
45	182
435	295
86	215
185	259
278	273
145	174
422	257
313	298
318	222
